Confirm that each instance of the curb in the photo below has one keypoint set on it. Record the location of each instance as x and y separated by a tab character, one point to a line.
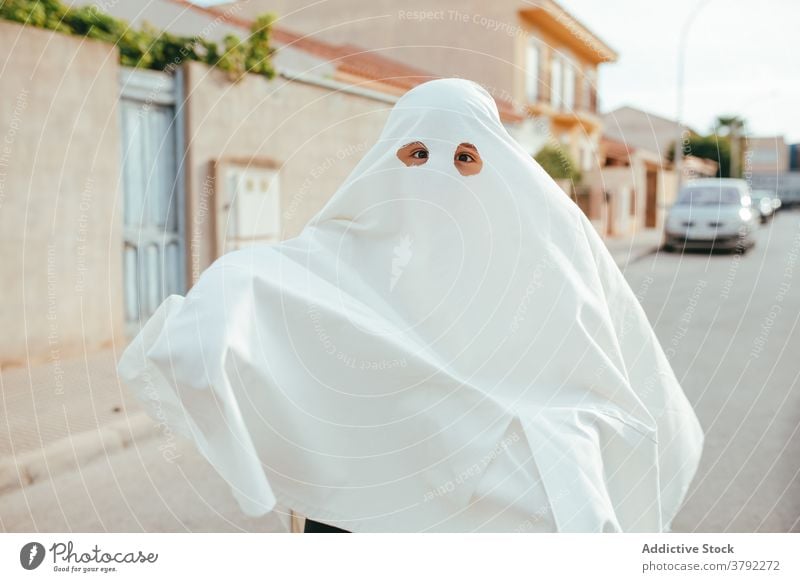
646	252
630	258
73	451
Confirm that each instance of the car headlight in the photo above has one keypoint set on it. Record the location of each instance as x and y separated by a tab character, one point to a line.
745	214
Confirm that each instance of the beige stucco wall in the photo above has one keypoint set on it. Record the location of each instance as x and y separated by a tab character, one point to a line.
315	135
470	38
60	245
618	182
766	155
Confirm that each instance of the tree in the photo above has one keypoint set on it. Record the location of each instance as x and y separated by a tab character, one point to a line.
558	163
711	147
732	127
725	125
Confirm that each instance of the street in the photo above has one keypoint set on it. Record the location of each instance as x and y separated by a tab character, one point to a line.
729	325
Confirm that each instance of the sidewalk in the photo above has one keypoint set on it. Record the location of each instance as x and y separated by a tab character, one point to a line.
629	249
78	453
62	414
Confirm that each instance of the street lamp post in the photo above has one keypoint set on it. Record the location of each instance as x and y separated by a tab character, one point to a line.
679	87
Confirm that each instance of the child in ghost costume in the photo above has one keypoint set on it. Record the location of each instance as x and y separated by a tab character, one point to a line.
444	347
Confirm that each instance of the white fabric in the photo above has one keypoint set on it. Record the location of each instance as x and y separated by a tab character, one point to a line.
425	334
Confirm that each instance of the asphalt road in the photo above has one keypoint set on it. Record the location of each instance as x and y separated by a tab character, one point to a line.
730	325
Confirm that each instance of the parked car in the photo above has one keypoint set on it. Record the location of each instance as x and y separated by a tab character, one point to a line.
712	213
762	202
767	202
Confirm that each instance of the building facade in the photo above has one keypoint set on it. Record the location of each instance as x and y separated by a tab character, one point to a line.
534	55
635	182
771	164
766	155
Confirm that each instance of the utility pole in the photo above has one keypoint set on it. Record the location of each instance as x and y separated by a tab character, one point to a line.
679	87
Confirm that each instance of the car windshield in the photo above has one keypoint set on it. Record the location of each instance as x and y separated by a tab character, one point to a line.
709	195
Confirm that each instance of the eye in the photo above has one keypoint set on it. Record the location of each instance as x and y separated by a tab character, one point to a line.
420	154
467	159
413	154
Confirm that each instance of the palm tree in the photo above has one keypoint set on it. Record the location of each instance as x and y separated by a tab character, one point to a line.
732	127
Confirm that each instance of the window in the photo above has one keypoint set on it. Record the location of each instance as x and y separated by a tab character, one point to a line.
586	89
569	85
532	70
587	158
764	156
589	90
555	82
708	196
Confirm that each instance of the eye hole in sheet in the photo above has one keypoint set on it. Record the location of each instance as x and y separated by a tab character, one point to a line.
413	154
467	160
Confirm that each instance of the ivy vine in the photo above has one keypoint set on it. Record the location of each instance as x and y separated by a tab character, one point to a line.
149	47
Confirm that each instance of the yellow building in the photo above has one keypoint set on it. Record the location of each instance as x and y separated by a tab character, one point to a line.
560	78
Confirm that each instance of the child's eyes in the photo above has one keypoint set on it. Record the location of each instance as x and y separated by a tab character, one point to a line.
466	158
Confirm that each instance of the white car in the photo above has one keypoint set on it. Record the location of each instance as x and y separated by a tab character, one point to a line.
766	202
712	213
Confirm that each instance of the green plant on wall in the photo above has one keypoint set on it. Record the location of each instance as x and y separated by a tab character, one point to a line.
259	51
558	163
148	47
251	56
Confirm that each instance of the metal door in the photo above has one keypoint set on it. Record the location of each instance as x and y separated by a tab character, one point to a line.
153	259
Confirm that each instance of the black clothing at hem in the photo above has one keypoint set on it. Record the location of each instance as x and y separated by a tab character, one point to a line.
317	527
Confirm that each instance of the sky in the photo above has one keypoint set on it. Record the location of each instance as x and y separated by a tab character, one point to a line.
742	58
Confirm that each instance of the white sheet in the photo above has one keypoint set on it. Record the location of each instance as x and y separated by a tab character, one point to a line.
364	372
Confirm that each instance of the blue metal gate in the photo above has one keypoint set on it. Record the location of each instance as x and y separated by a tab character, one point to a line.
154	250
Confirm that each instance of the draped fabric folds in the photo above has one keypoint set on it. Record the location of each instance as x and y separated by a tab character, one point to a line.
368	371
